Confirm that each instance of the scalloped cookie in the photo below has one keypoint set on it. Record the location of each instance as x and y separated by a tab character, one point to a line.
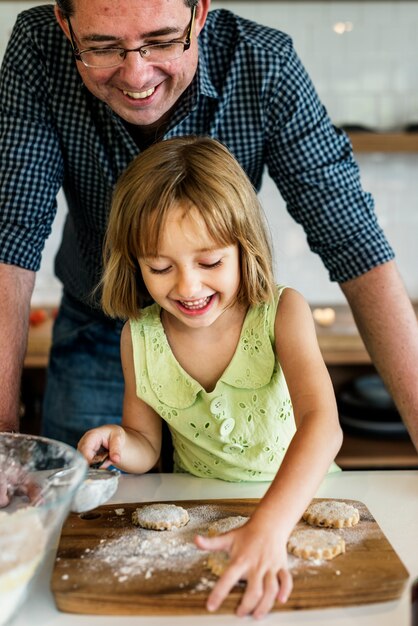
331	514
225	524
315	544
160	516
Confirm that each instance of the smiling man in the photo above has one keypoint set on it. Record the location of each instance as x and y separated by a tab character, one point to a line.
84	87
132	54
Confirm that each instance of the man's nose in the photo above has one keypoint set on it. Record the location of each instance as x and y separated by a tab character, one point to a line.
134	64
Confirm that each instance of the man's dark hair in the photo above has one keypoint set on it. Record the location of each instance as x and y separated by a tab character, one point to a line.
67	9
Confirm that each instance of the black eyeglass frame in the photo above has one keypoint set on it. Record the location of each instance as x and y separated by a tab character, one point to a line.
124	51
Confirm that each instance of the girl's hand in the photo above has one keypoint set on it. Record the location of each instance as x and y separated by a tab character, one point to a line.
111	438
257	558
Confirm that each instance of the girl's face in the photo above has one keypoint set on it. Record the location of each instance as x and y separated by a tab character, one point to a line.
192	278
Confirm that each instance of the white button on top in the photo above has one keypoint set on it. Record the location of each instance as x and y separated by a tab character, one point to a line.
227	426
217	405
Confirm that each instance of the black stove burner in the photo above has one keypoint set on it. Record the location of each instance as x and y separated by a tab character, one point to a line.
366	408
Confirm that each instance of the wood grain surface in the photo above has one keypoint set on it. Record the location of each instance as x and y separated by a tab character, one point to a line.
107	566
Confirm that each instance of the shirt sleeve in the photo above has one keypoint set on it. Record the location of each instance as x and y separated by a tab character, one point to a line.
313	166
31	164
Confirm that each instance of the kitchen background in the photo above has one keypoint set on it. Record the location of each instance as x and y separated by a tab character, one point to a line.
362	57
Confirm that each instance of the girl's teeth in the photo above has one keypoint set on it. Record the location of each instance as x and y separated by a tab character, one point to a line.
195	304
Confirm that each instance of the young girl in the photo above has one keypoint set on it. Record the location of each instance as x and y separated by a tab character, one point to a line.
229	360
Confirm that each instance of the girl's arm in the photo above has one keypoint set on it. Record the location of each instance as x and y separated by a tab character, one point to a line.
135	446
258	549
318	436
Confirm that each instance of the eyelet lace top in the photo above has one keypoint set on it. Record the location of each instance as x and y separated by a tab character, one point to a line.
241	430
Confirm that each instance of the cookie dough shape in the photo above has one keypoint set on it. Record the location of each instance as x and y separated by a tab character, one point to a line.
218	562
160	516
225	524
316	544
331	514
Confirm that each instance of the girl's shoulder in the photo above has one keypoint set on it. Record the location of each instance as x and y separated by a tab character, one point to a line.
293	314
289	301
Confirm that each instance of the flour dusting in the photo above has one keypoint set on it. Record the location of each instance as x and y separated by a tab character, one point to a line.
142	552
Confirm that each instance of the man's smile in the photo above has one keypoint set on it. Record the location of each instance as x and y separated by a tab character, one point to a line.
139	95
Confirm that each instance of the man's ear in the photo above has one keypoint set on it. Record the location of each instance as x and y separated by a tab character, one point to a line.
201	15
62	21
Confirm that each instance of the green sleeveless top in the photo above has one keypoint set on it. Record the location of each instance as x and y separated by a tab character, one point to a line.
241	430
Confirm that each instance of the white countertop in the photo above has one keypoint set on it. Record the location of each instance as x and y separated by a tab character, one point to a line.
391	497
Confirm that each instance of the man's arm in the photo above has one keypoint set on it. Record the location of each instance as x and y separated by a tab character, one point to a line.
388	326
16	286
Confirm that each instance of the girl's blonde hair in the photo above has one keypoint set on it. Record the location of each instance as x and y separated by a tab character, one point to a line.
202	175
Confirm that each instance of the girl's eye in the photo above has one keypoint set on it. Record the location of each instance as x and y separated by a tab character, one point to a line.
153	270
210	266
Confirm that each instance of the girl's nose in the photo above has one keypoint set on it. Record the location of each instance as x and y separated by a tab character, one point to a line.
188	284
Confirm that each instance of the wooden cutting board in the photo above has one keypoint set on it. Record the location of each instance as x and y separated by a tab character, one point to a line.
107	566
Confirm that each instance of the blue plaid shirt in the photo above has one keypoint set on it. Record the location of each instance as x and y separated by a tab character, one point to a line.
250	91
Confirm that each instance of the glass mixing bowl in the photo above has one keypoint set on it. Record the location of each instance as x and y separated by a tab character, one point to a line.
38	481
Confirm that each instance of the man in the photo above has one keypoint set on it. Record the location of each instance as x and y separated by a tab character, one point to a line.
86	86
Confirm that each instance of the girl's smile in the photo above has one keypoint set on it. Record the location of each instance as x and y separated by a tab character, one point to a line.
196	307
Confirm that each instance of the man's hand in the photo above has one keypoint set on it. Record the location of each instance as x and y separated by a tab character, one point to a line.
15	481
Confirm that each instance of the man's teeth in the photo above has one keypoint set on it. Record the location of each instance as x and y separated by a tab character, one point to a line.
195	304
139	95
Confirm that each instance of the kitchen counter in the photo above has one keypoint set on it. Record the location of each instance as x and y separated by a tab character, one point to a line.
340	342
391	497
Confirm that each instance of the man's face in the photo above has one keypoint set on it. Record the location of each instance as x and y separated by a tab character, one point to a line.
139	91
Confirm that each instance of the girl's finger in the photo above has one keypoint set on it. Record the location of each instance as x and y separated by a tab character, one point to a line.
285	585
89	444
252	596
213	544
270	591
224	585
115	446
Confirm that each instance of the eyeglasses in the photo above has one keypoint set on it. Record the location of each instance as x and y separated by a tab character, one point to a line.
112	57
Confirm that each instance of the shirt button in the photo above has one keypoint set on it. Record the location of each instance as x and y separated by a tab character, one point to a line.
217	405
227	426
232	448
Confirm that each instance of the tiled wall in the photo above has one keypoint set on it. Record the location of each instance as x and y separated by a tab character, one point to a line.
362	57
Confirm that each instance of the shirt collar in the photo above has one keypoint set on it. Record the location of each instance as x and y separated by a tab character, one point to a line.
206	86
200	85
